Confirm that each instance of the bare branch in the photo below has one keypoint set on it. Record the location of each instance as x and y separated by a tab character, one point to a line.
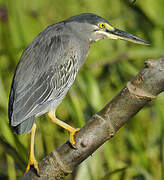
103	125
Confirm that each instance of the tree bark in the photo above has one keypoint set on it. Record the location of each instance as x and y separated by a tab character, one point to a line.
104	124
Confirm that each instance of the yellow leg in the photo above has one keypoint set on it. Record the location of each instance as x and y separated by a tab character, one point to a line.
70	129
32	161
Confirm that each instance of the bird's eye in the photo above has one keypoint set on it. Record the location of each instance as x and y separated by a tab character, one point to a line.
102	25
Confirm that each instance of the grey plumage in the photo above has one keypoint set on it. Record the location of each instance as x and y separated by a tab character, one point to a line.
46	70
48	67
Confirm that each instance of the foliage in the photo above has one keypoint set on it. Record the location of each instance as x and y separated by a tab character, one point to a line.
137	151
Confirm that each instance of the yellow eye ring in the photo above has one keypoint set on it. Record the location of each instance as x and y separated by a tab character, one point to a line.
102	25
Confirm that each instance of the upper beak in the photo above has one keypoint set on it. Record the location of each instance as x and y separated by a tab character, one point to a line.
119	34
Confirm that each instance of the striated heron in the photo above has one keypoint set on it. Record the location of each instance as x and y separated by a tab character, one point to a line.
48	67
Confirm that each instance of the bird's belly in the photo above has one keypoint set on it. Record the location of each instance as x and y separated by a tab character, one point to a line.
51	106
53	102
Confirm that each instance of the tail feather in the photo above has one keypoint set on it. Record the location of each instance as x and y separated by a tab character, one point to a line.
22	127
25	126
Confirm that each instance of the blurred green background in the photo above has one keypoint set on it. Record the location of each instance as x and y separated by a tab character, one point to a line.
137	150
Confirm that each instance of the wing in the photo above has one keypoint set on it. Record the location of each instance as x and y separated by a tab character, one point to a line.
45	72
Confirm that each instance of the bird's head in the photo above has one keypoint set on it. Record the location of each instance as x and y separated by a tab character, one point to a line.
93	28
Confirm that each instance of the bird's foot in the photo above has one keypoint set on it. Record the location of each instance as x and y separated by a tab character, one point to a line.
72	134
34	164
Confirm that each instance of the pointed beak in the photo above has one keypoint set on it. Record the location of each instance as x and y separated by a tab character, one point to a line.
114	33
119	34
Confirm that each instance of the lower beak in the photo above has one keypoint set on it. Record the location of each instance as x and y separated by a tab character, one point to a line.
119	34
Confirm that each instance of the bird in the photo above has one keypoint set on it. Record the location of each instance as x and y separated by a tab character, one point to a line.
48	67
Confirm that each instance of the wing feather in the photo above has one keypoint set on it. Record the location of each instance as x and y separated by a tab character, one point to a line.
45	72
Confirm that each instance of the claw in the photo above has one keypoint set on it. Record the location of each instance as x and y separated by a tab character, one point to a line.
32	163
72	134
67	127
